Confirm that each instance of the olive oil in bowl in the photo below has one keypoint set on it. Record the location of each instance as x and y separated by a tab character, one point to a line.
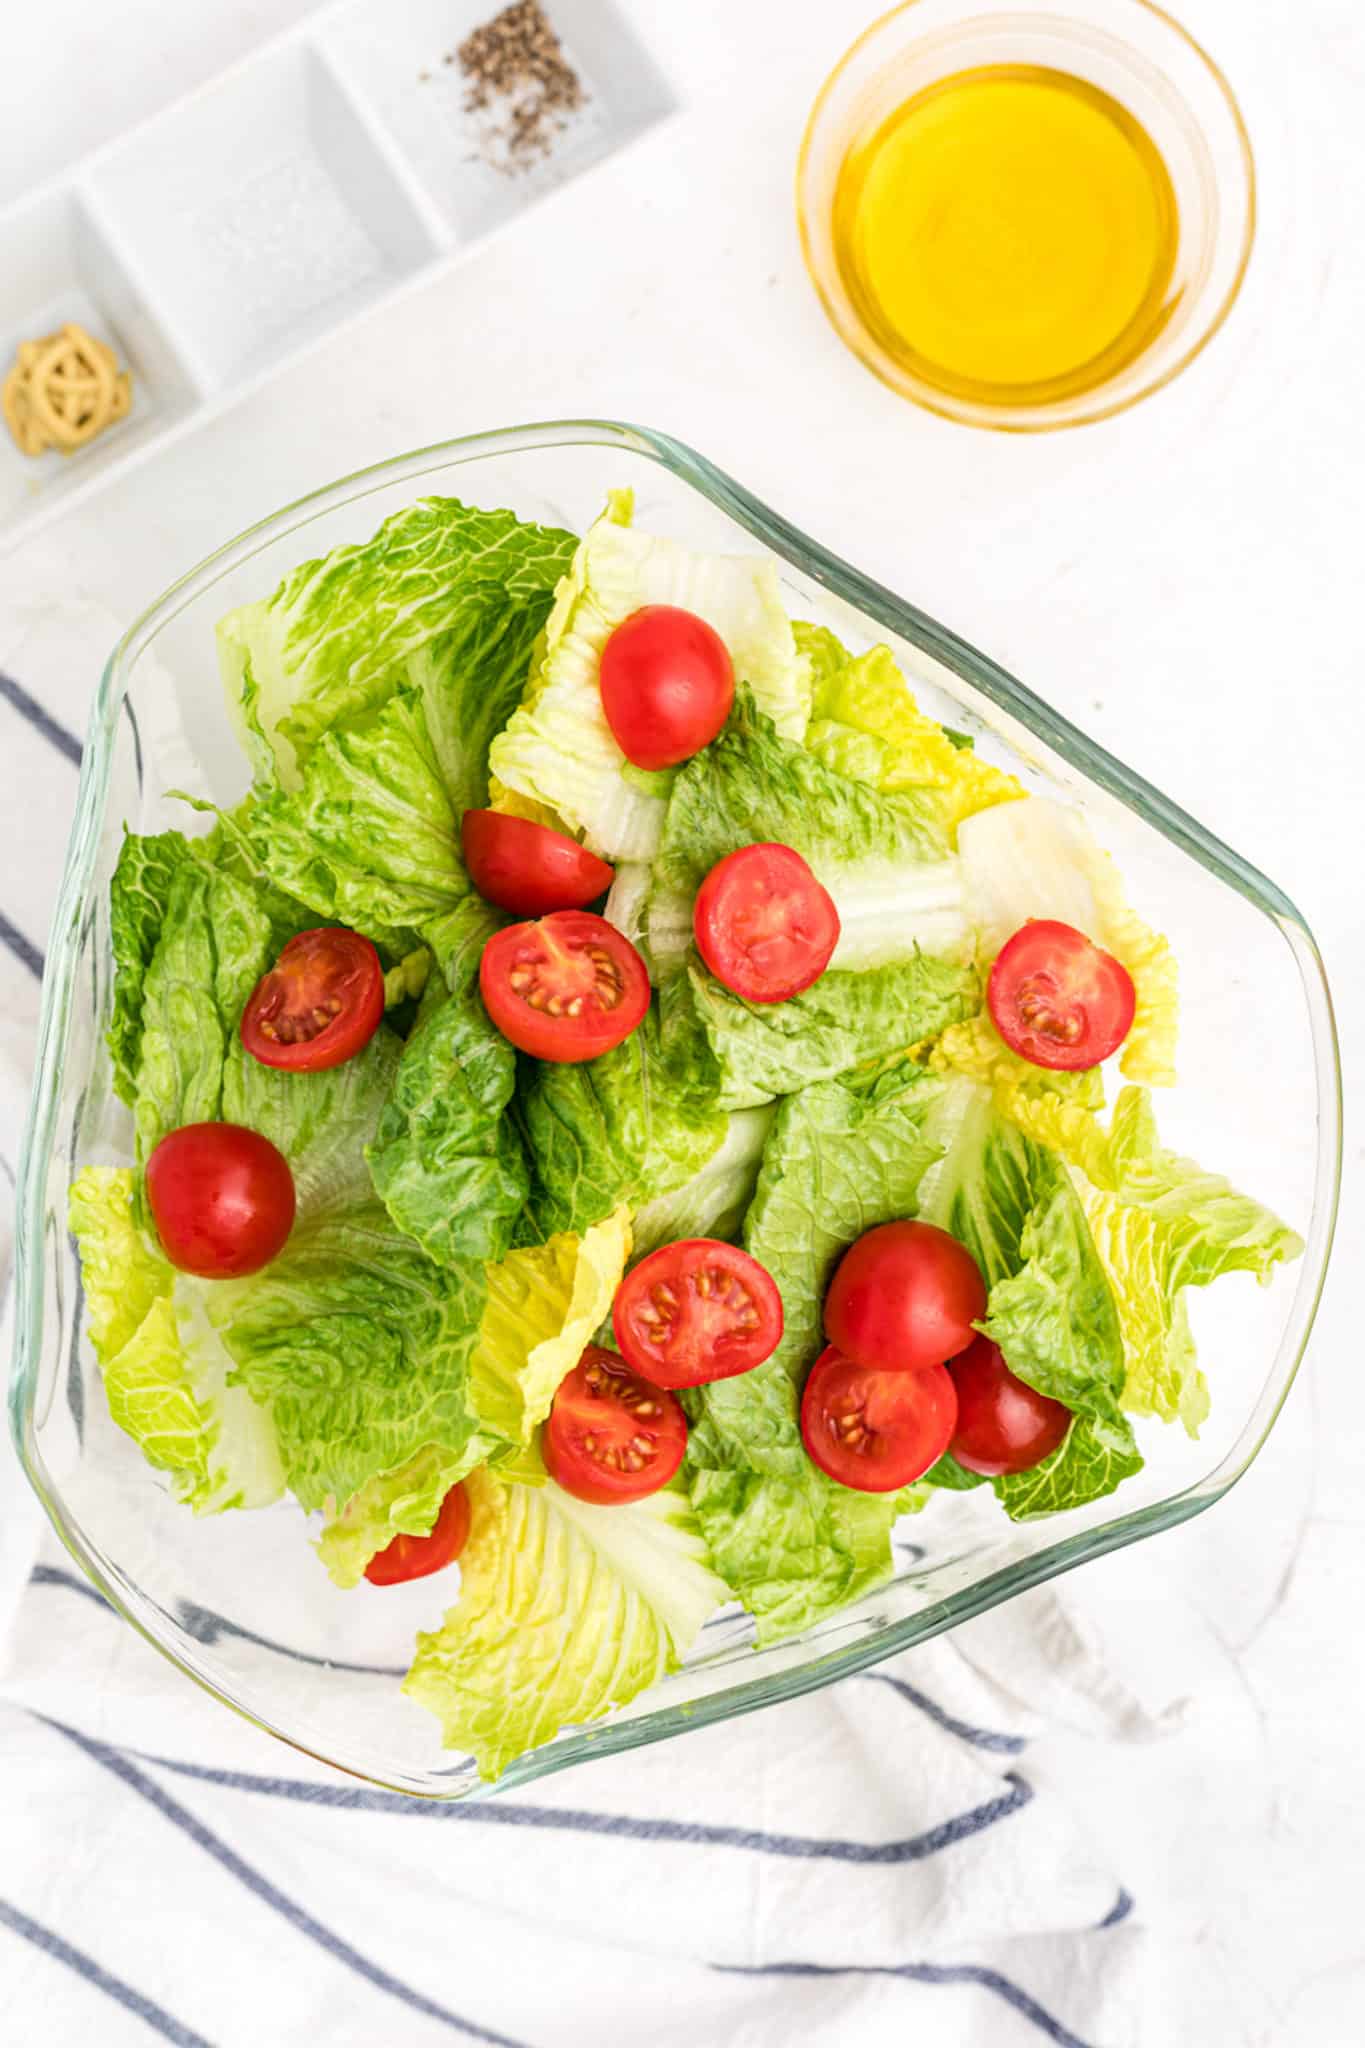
1008	235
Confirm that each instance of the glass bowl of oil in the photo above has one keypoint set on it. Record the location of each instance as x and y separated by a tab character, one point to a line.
1026	220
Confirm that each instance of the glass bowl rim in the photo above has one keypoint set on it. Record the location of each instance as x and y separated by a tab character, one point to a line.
995	683
1091	409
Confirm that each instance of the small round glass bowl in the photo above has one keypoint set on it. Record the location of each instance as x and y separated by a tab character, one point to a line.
1157	73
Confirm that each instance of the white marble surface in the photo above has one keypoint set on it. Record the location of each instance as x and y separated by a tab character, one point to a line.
1185	581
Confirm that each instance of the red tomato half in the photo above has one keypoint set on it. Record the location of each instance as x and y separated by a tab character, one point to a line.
875	1431
222	1198
764	925
1057	1000
528	869
611	1436
667	684
565	988
1003	1424
697	1310
903	1297
320	1003
414	1557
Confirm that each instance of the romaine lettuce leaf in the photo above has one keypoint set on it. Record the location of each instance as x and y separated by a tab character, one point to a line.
564	1612
443	586
558	750
713	1202
320	1121
882	858
841	1157
1038	859
616	1130
865	723
122	1269
446	1159
403	1502
138	897
765	1049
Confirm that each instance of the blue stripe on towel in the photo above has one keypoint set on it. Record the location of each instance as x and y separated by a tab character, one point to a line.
42	721
25	952
980	1738
1121	1908
577	1820
269	1894
94	1973
925	1973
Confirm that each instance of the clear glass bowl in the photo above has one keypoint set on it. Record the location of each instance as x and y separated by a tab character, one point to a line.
239	1602
1141	58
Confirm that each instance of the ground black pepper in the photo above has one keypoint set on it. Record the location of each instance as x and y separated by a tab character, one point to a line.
515	65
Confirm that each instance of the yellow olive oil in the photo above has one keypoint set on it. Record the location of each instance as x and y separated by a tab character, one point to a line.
1008	233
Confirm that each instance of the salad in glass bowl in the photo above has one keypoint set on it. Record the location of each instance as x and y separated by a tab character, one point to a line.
627	1108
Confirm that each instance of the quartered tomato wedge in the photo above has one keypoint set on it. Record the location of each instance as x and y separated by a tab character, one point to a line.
565	988
905	1295
222	1199
1057	1000
414	1557
695	1311
320	1003
875	1431
611	1436
1003	1424
667	685
764	925
528	868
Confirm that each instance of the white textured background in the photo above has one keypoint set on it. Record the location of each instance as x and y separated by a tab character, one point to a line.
1184	581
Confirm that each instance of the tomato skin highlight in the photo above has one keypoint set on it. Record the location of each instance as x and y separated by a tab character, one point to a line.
875	1431
697	1310
667	684
319	1005
570	956
763	924
416	1557
528	868
1057	1000
903	1297
222	1198
1003	1424
610	1436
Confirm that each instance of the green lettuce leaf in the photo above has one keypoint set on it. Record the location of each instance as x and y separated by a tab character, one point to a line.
122	1269
1162	1224
882	858
865	723
558	751
565	1611
840	1157
713	1202
765	1049
441	589
320	1121
615	1131
446	1159
138	897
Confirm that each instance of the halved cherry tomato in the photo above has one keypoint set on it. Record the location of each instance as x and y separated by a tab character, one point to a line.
1057	1000
415	1557
566	988
667	684
1003	1424
873	1430
320	1003
528	869
611	1436
764	925
697	1310
222	1198
903	1297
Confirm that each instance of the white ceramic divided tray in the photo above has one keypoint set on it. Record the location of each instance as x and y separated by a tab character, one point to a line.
328	170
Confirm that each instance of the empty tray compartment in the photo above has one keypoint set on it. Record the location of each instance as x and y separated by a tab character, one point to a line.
260	213
401	58
56	266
